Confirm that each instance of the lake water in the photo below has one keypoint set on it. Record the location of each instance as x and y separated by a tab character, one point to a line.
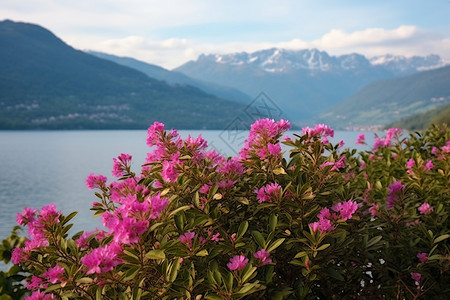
42	167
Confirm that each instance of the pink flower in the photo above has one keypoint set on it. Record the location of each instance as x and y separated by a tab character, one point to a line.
204	189
238	262
36	283
341	143
446	148
374	209
339	164
38	295
429	165
308	264
226	184
169	172
416	277
216	237
320	130
17	255
102	259
425	209
28	215
49	214
423	257
395	191
158	204
314	226
187	238
263	255
274	149
54	274
154	133
346	209
361	139
121	165
379	143
270	192
410	163
95	181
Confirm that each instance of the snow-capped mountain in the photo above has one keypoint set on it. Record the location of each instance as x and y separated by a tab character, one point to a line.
401	64
303	83
277	60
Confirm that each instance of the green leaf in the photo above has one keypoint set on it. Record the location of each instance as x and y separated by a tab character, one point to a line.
213	297
182	208
275	244
300	254
374	240
441	238
323	247
84	280
335	274
279	171
98	294
174	270
242	229
155	254
259	238
273	220
248	272
203	252
229	282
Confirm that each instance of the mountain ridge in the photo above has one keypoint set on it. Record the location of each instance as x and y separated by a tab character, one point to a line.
46	84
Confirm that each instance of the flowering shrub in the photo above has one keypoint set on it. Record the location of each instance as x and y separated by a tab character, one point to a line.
317	221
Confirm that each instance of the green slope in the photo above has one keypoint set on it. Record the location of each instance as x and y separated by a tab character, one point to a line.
385	101
438	116
45	83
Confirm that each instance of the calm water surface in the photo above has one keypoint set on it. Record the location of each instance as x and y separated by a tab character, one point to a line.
42	167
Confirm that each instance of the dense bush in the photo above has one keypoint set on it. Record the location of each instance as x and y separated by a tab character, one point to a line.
318	221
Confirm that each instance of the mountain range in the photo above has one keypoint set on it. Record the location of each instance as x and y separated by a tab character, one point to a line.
44	83
304	83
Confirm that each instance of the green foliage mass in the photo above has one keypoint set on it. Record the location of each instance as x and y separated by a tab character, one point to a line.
373	254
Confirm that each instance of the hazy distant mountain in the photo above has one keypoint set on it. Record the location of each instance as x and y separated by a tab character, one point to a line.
174	77
45	83
385	101
303	83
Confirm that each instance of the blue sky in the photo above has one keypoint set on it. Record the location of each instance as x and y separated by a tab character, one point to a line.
169	33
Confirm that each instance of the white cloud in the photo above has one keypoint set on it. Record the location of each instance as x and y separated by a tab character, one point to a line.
170	53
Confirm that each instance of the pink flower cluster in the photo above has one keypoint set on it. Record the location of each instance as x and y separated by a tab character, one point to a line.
343	211
263	139
319	130
187	239
263	255
238	262
422	257
102	259
395	192
361	139
387	141
131	219
96	181
121	165
39	224
270	192
38	295
335	165
425	209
